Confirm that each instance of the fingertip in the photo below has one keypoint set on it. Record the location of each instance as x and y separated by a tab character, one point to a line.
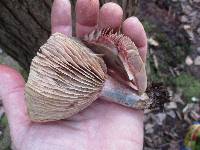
87	12
133	28
143	52
111	15
61	20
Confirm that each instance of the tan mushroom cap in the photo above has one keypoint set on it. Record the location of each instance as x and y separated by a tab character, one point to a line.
65	77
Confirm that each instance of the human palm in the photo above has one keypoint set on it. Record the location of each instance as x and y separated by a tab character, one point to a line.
103	125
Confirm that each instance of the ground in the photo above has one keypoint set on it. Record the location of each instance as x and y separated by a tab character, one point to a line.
173	60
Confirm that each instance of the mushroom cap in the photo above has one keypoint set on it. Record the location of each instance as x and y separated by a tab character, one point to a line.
65	77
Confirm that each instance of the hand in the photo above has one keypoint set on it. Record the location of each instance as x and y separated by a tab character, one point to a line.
103	125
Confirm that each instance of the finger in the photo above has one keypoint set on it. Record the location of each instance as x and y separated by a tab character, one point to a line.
133	28
87	12
12	94
110	16
61	17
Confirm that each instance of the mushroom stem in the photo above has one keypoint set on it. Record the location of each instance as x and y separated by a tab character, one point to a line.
117	92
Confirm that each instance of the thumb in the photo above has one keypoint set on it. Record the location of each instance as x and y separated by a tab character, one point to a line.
12	94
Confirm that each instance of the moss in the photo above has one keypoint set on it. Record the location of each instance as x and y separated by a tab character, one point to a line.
173	52
4	121
24	73
5	141
148	27
189	85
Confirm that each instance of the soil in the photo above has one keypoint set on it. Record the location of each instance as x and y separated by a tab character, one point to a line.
166	128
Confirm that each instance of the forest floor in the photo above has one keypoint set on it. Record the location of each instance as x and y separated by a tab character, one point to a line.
173	29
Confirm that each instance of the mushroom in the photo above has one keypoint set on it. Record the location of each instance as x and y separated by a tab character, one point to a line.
68	74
